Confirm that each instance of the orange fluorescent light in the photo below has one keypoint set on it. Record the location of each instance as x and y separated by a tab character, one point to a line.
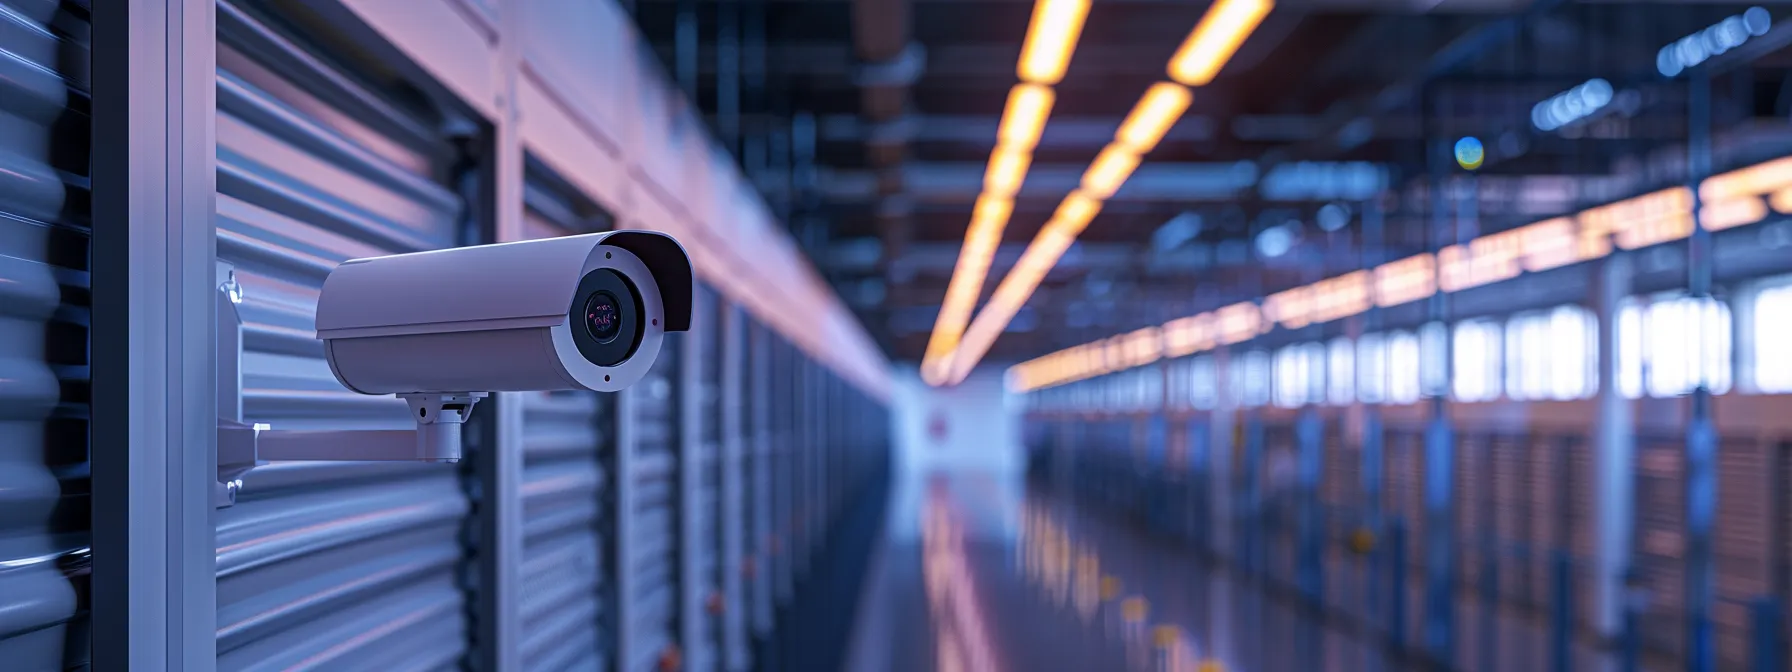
1007	169
1023	120
981	238
991	210
1156	112
1215	39
1109	170
1051	38
1075	213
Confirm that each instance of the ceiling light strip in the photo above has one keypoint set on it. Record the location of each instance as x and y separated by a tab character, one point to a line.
1051	40
1741	197
1208	47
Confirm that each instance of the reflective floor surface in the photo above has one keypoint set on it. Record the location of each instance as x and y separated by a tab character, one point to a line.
984	574
979	574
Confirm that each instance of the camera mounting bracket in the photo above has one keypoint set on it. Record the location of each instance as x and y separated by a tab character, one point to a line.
242	447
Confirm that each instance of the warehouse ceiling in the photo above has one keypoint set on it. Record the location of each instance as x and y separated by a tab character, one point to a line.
867	124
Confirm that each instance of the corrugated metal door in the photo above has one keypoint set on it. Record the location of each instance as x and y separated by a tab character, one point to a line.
43	335
650	620
562	572
732	513
760	431
566	438
704	632
783	477
327	565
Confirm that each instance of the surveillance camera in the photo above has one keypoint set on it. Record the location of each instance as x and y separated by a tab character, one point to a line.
579	312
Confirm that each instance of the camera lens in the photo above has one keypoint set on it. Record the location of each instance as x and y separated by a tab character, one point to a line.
615	320
603	317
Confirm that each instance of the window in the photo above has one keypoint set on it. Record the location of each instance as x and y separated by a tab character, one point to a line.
1315	380
1203	388
1670	346
1574	351
1630	351
1772	353
1476	356
1339	374
1372	368
1434	372
1291	377
1253	378
1552	354
1300	375
1403	368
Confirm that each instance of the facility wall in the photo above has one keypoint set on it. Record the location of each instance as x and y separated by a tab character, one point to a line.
161	162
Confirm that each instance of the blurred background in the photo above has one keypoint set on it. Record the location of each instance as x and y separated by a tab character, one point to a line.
1245	335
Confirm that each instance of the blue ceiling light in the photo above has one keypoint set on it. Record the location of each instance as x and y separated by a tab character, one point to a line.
1275	241
1694	49
1333	216
1469	153
1572	105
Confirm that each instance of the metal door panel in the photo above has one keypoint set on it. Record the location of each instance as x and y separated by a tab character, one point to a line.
697	396
43	336
732	430
652	548
331	565
762	434
562	570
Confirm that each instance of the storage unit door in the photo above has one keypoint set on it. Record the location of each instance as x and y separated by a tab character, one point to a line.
44	309
758	389
733	513
564	438
651	587
707	648
566	441
327	565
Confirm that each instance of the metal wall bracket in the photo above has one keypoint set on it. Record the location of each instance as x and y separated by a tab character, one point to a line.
243	447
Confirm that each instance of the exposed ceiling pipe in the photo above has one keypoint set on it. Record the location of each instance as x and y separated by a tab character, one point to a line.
889	63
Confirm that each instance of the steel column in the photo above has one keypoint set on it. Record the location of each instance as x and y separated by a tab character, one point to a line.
1615	458
1700	457
154	416
1440	446
1370	460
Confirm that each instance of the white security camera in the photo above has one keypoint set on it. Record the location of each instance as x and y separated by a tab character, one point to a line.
578	312
444	329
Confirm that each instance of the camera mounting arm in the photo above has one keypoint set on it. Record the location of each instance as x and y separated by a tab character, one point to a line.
242	447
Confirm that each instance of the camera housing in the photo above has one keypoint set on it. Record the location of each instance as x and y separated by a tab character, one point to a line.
577	312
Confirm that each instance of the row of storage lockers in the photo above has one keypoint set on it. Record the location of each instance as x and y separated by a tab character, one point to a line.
1520	509
662	525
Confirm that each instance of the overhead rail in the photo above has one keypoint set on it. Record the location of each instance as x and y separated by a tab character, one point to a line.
1734	199
1206	50
1051	40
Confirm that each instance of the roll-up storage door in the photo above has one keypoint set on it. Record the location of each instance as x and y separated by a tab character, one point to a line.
327	565
733	512
758	389
707	647
650	619
566	442
44	307
783	477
